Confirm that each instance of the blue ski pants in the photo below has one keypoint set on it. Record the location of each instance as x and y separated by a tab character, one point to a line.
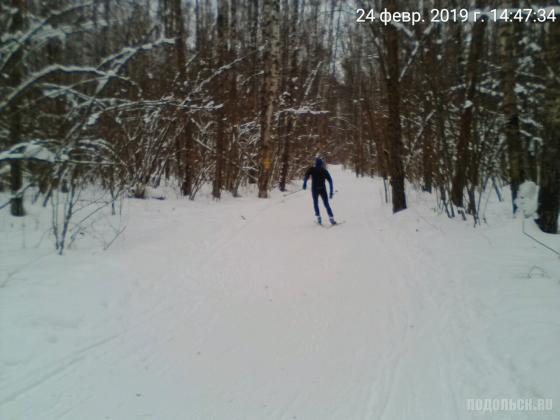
325	198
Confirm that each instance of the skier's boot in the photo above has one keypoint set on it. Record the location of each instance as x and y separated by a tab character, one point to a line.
331	219
319	220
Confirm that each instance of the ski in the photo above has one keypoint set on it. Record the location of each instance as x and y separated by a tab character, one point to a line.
328	225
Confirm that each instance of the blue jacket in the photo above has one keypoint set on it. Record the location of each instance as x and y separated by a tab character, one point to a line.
318	176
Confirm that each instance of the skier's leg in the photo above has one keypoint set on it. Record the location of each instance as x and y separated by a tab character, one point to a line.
315	195
325	198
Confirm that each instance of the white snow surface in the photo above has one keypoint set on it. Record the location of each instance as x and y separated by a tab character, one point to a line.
245	309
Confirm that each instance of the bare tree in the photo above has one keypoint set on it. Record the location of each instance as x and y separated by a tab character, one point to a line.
15	79
394	123
549	193
465	129
508	50
269	95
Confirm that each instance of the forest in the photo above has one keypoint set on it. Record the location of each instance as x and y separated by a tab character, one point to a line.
123	94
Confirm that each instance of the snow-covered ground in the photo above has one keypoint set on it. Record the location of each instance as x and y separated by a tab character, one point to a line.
245	309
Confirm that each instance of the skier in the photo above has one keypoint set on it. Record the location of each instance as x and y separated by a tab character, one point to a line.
318	175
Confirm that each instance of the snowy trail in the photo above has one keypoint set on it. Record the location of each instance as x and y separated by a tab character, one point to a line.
268	317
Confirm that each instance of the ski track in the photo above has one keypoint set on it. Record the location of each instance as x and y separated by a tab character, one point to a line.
370	328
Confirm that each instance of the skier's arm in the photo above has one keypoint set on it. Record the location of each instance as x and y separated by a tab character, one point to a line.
306	177
328	176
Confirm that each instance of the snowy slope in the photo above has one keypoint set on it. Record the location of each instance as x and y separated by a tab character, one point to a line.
244	309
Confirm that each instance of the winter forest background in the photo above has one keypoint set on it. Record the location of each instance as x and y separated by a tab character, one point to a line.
125	94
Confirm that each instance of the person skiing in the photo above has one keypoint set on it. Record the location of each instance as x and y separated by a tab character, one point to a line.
318	175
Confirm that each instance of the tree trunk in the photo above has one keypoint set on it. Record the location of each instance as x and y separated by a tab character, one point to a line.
233	112
291	75
16	173
198	25
549	193
509	108
222	24
427	157
429	58
396	168
465	130
271	58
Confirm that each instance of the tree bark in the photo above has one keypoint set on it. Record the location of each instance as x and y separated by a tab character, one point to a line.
465	128
183	152
396	168
222	24
549	192
291	75
16	172
509	108
271	58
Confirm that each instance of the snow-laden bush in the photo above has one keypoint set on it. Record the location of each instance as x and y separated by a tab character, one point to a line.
526	200
67	171
29	150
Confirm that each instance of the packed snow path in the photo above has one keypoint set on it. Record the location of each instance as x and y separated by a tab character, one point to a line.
245	309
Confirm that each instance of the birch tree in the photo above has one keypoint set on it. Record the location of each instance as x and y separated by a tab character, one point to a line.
269	93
